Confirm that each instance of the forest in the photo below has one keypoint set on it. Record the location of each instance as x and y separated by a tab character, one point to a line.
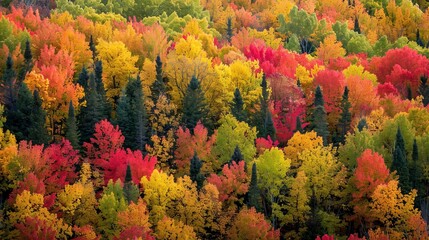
214	119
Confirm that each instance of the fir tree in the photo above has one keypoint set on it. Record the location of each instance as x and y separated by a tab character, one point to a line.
229	33
194	106
38	132
361	124
92	48
130	190
237	156
424	89
195	171
104	103
409	93
264	121
158	86
9	88
28	62
419	40
18	118
345	116
319	123
83	78
237	106
298	127
356	26
131	115
253	193
71	127
400	164
91	113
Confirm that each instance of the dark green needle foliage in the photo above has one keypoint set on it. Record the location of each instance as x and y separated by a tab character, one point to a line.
319	122
237	106
345	116
254	196
131	191
194	106
71	127
400	164
195	171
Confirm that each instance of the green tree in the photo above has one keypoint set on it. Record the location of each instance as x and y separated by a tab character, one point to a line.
319	123
72	133
131	115
237	106
195	171
194	106
83	78
400	164
356	27
37	130
105	105
293	44
92	48
28	62
299	125
9	88
362	124
254	196
130	190
158	86
237	156
18	118
345	115
424	89
264	121
229	33
419	41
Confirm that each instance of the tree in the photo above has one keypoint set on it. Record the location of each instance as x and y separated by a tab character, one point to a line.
299	125
250	224
237	106
195	171
19	116
83	78
131	115
345	115
419	41
253	194
356	27
416	171
72	133
105	105
158	86
28	62
237	156
37	130
424	89
9	87
229	33
131	191
319	123
92	48
264	121
400	163
194	106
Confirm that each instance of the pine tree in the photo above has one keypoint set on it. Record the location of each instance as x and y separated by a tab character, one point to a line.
92	48
71	127
9	88
298	125
345	116
194	106
158	87
18	118
419	40
362	124
38	132
104	103
424	89
91	113
130	190
83	78
356	26
409	93
28	62
131	115
264	121
319	123
253	193
400	164
237	106
237	156
195	171
229	33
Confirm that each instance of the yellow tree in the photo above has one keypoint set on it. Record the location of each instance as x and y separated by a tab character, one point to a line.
136	215
298	143
170	229
330	49
118	66
8	150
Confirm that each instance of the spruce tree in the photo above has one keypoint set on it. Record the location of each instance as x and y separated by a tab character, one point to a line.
229	33
356	26
104	103
424	89
419	40
158	86
18	118
298	127
264	121
9	89
319	123
28	62
71	127
253	193
130	190
131	115
409	93
362	124
194	106
400	164
92	48
195	171
91	113
237	156
83	78
237	106
345	116
37	131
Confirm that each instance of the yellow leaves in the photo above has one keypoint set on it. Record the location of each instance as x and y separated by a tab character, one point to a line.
70	198
118	67
148	76
170	229
8	147
330	49
31	205
268	36
376	120
305	76
74	42
162	149
190	47
298	143
359	71
36	81
136	214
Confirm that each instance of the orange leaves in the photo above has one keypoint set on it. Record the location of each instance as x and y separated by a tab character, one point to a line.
330	49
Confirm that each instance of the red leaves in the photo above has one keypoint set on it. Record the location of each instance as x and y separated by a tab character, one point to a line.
34	228
265	143
232	183
135	232
332	83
